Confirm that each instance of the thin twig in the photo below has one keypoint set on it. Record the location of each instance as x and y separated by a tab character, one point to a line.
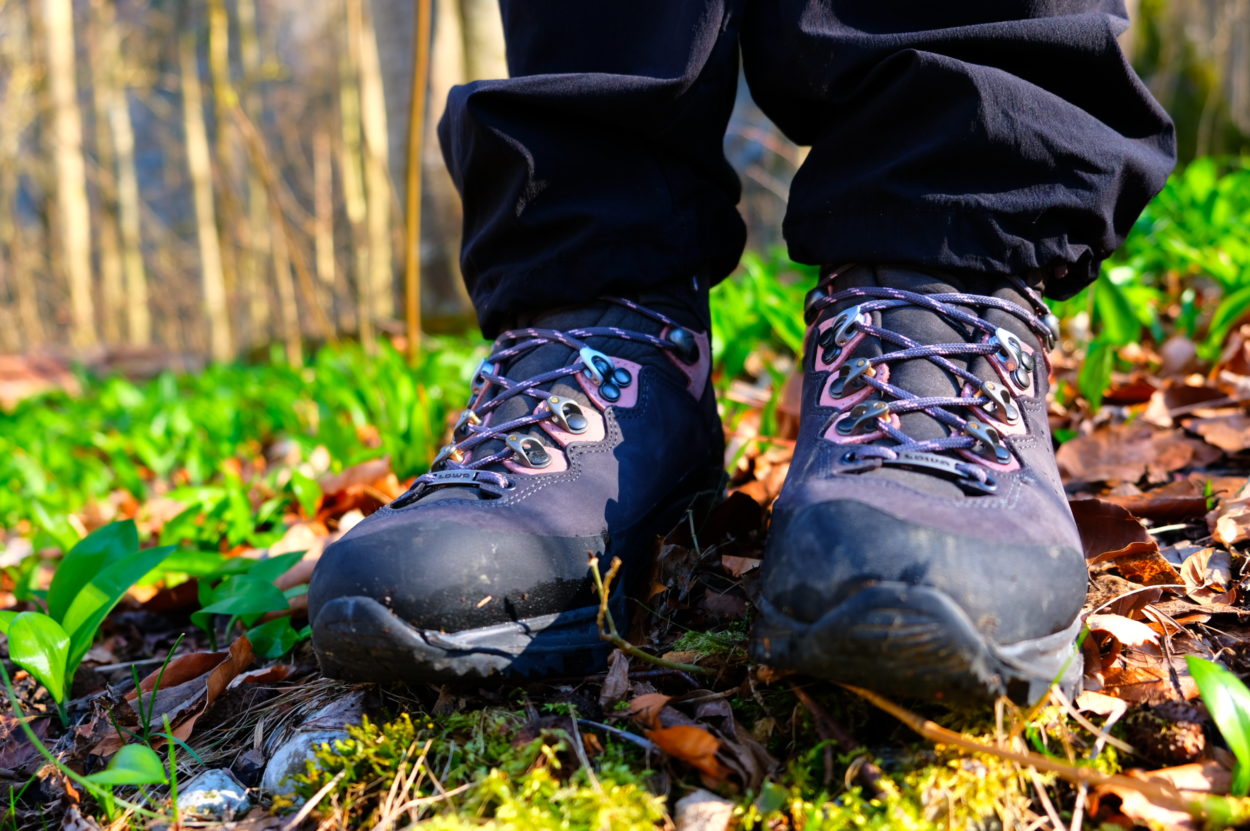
607	626
867	772
580	749
430	800
645	744
312	803
1164	795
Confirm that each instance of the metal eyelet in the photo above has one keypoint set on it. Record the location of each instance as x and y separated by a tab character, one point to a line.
1052	330
1000	404
851	377
568	414
1018	363
1010	351
684	346
988	442
479	375
622	377
838	334
467	419
529	450
598	366
448	452
862	418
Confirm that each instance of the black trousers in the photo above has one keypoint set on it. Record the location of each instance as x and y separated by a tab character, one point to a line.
998	136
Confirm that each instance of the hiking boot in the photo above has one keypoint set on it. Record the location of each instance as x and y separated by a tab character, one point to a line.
922	545
588	432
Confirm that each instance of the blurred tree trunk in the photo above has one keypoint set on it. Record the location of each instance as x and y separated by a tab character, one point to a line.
378	188
227	161
350	167
73	208
199	166
16	113
138	316
254	260
102	51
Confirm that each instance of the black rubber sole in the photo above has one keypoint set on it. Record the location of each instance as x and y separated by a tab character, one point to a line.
914	642
358	638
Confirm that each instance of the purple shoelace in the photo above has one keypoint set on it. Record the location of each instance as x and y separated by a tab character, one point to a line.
968	433
471	432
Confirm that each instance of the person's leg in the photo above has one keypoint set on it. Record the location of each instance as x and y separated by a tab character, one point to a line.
966	156
592	424
998	136
598	166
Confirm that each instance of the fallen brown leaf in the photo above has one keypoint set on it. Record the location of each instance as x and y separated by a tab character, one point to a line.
616	684
1127	631
189	685
1230	433
1106	528
1174	502
1141	563
364	487
693	745
1208	576
645	709
1129	453
1230	521
1196	780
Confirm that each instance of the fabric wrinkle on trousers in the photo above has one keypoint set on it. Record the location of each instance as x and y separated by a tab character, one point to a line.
995	136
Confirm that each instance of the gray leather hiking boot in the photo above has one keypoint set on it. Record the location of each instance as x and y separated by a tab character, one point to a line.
922	545
588	432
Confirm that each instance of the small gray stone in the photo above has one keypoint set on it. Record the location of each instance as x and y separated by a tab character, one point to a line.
214	794
703	811
326	725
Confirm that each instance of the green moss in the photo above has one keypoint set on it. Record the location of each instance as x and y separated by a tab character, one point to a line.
504	782
729	642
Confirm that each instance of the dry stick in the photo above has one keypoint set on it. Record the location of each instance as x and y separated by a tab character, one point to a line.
412	225
868	774
607	626
580	749
1163	795
312	803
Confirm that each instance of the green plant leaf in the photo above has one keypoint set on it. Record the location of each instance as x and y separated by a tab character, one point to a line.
1115	319
241	597
1228	702
1095	374
98	597
6	617
273	638
134	764
271	568
39	645
92	554
307	492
